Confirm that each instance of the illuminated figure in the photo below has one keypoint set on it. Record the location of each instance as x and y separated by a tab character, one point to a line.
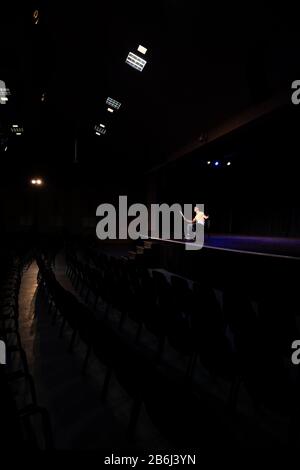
199	218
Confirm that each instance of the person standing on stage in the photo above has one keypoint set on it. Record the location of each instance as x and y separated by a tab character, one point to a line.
199	218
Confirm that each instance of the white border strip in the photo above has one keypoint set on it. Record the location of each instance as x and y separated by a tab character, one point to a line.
246	252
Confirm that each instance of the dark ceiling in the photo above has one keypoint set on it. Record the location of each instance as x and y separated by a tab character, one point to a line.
204	64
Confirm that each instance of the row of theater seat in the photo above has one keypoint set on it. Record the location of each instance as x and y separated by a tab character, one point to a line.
24	424
184	415
233	339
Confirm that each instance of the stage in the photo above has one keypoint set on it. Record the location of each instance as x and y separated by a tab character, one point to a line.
271	246
248	259
252	245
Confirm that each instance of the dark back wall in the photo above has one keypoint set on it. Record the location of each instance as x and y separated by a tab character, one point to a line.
257	194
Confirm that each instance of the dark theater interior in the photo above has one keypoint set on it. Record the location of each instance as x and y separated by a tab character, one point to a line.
150	229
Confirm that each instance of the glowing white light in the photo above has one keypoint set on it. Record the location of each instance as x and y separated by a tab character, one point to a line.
17	129
4	92
101	129
110	110
228	163
135	61
142	49
209	162
33	181
113	103
39	182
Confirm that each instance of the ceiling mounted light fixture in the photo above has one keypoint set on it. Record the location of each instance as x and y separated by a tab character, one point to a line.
113	103
101	129
36	16
4	92
136	62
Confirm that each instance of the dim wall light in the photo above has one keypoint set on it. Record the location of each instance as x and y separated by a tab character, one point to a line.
36	182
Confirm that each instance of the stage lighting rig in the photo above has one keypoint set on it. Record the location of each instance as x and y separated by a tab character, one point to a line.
16	129
136	61
37	182
100	129
36	17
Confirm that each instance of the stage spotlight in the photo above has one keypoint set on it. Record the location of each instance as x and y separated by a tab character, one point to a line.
16	129
101	129
5	149
142	49
33	181
4	92
113	103
208	162
228	163
217	163
110	110
39	182
135	61
36	16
